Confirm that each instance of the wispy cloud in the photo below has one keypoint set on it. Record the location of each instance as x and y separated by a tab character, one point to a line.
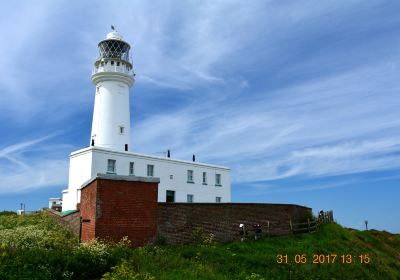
22	146
271	89
321	128
21	172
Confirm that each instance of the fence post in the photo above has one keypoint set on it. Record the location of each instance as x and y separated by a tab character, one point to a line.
80	230
291	226
268	228
81	220
308	221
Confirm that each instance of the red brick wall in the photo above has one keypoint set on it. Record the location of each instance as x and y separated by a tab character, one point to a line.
119	208
177	221
88	210
71	220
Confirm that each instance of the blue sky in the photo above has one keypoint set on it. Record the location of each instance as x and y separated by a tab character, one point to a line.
300	98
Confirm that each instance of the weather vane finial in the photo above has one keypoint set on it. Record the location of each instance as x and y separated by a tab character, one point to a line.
112	27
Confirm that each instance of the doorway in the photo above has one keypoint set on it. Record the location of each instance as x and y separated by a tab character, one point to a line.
170	196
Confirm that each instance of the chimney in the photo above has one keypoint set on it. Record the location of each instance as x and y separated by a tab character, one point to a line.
194	158
168	154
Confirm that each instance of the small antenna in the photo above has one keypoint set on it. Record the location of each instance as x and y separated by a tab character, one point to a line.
112	27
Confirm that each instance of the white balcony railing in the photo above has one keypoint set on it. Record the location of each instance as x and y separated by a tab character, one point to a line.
113	68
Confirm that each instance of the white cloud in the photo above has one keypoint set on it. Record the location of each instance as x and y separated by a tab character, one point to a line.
20	172
41	173
326	127
297	115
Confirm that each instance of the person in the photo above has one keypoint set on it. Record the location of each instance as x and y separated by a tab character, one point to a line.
257	231
242	232
321	215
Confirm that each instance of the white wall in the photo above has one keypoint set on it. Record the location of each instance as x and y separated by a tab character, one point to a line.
163	168
80	171
57	201
111	110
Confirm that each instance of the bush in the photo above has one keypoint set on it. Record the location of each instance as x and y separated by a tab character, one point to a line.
125	271
199	237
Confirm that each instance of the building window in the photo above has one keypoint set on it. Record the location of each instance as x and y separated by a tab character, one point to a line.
170	196
131	168
150	170
118	63
204	178
218	179
111	165
121	129
171	177
189	198
190	176
112	62
218	199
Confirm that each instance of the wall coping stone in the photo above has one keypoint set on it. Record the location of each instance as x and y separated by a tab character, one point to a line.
231	204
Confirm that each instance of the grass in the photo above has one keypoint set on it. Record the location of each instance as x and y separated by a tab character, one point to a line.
34	247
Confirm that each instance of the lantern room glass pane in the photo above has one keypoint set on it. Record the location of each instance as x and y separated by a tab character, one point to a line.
114	49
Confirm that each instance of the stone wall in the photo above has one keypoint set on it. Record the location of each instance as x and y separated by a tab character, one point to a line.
177	221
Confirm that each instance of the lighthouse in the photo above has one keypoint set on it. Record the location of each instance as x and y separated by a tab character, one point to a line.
109	152
113	77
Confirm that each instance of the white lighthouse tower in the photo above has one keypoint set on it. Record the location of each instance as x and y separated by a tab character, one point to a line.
113	76
109	152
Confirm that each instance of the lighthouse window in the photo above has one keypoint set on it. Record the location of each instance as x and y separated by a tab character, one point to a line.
131	168
204	178
190	176
121	130
111	165
218	179
150	170
189	198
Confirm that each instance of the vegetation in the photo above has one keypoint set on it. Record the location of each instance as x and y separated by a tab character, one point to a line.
35	247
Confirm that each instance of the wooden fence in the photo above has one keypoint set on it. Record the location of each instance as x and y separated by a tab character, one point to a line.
312	225
294	228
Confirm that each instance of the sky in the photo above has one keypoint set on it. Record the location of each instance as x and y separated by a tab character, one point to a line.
299	98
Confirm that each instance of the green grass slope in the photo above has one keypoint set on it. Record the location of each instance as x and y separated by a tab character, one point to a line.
34	247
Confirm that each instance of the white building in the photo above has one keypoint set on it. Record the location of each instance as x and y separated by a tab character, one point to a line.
55	202
109	150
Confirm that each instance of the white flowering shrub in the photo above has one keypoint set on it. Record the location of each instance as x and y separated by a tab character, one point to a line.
97	251
37	231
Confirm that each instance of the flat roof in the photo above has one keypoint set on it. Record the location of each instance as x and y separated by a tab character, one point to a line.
94	148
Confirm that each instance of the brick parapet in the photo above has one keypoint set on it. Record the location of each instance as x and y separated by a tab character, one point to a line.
178	221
